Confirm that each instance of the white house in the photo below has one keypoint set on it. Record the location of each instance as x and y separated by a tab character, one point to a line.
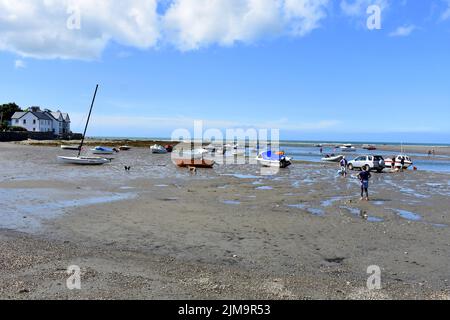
36	120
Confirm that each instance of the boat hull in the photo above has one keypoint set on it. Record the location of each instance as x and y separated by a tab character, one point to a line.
333	159
273	163
74	148
196	163
90	161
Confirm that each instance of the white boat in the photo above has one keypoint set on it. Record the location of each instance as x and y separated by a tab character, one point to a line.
124	148
398	160
102	150
158	149
83	160
347	148
273	159
67	147
332	158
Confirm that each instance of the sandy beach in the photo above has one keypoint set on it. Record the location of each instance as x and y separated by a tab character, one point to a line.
159	232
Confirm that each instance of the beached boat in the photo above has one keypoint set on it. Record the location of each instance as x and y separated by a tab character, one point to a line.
369	147
347	148
273	159
157	149
124	148
67	147
80	160
169	148
195	163
332	158
102	150
83	160
398	160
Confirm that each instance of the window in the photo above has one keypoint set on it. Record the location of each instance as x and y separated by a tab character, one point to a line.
34	121
24	121
34	129
17	120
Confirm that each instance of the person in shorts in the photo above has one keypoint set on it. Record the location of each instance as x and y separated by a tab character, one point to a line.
364	176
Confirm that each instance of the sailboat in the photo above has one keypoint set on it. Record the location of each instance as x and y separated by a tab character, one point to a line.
81	160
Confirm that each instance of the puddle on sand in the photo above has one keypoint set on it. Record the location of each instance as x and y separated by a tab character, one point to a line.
161	185
264	188
408	215
25	209
313	211
259	182
241	176
362	214
329	202
231	202
439	225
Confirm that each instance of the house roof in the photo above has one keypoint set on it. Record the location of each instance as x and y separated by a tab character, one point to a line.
18	115
39	115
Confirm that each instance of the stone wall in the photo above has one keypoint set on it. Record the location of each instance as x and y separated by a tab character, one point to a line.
21	136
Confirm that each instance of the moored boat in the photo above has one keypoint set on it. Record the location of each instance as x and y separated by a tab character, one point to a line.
273	159
332	158
398	160
83	160
124	148
70	147
347	148
157	149
196	163
369	147
102	150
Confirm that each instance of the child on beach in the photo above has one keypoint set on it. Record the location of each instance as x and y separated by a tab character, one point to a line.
344	164
364	177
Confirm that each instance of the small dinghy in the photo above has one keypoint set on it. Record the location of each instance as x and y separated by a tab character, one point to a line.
102	150
157	149
83	160
274	159
347	148
67	147
333	158
195	163
124	148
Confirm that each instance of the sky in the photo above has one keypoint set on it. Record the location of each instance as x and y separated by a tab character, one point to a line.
311	68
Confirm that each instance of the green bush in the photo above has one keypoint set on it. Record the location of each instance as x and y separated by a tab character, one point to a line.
17	129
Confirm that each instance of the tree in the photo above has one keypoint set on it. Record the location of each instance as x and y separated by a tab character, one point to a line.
7	110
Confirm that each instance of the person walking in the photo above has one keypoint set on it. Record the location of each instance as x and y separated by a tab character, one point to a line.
364	177
393	164
402	163
344	164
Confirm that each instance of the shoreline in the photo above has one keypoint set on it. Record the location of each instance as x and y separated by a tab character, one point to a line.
159	232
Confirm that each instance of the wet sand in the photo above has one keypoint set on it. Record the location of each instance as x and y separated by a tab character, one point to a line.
159	232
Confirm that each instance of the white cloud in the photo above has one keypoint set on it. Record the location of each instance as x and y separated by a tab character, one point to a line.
192	24
38	28
19	64
446	14
403	31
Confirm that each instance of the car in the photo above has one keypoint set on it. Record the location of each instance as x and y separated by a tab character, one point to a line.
368	163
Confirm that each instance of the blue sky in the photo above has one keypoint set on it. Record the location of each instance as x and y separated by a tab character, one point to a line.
321	75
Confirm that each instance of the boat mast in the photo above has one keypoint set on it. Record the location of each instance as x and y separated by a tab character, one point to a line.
87	122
